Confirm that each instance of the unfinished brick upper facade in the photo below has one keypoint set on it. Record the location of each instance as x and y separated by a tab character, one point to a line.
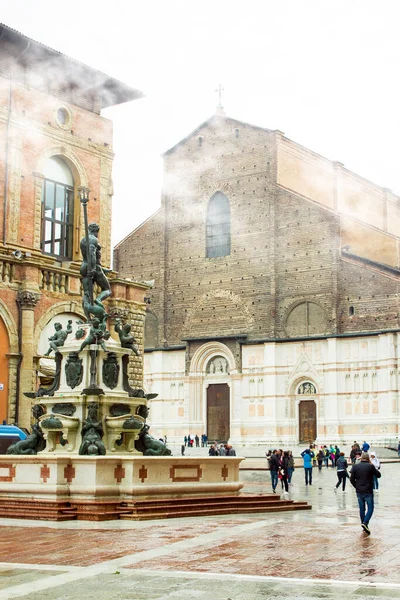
286	248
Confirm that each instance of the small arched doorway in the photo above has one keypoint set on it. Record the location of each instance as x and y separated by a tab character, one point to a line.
218	413
307	413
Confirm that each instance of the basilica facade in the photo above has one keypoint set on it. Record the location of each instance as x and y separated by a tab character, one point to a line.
274	315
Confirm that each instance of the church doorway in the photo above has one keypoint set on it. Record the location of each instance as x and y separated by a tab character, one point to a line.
218	416
4	345
307	421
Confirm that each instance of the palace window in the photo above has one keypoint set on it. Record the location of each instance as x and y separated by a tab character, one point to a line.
57	209
218	228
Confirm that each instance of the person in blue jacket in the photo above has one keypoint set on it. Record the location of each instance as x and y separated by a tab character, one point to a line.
307	461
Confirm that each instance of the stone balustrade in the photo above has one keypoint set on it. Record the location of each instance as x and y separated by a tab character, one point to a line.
6	270
54	281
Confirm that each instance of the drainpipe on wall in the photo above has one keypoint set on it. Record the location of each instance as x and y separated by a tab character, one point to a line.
19	364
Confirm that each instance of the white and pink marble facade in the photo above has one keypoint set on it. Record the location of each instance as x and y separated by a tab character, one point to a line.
354	384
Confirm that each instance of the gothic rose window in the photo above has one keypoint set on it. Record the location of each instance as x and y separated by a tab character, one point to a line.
218	227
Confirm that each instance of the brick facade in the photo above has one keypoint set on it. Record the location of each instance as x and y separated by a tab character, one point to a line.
35	84
313	254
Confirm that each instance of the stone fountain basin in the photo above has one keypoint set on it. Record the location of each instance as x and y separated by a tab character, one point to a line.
57	422
117	423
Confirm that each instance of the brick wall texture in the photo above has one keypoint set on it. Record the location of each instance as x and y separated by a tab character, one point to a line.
287	274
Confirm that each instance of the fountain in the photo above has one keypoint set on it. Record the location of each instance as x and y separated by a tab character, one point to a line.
90	454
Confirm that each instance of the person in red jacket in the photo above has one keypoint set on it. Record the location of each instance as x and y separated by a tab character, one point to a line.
362	478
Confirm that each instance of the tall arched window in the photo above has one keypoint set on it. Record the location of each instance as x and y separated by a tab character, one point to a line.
57	209
218	228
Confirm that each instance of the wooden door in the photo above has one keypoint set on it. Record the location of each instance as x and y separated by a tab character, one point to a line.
307	421
218	412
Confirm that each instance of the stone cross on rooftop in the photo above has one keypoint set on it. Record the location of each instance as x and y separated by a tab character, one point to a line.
220	108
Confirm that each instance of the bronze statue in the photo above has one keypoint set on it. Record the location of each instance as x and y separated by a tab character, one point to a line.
97	335
125	337
58	339
93	273
92	432
149	446
32	444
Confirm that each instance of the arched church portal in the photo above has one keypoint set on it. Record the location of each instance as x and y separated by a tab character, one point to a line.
218	414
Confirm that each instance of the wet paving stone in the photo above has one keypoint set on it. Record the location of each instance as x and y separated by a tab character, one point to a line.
236	557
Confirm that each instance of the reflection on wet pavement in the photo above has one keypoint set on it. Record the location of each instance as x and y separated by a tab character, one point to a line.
322	553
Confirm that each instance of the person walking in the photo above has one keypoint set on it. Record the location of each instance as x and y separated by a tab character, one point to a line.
326	456
274	465
229	450
183	449
213	450
320	458
341	469
376	462
353	453
185	440
222	450
284	471
197	440
332	455
365	447
307	463
362	478
290	467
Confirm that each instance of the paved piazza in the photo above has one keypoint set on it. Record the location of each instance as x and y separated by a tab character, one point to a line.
306	554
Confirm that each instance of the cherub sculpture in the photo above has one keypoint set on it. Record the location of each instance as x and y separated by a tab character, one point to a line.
97	335
125	337
58	339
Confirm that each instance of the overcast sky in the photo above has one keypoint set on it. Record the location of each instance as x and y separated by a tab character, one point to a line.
325	72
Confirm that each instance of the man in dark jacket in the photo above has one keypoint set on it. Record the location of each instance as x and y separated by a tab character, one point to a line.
362	478
274	464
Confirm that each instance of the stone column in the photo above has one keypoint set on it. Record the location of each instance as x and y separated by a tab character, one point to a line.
13	359
27	301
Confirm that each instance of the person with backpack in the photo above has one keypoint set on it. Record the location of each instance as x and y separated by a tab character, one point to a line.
274	464
341	469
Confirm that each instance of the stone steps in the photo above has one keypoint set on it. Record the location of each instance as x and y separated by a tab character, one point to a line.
28	508
208	506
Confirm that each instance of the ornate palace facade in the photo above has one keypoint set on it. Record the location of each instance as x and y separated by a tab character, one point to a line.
53	140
